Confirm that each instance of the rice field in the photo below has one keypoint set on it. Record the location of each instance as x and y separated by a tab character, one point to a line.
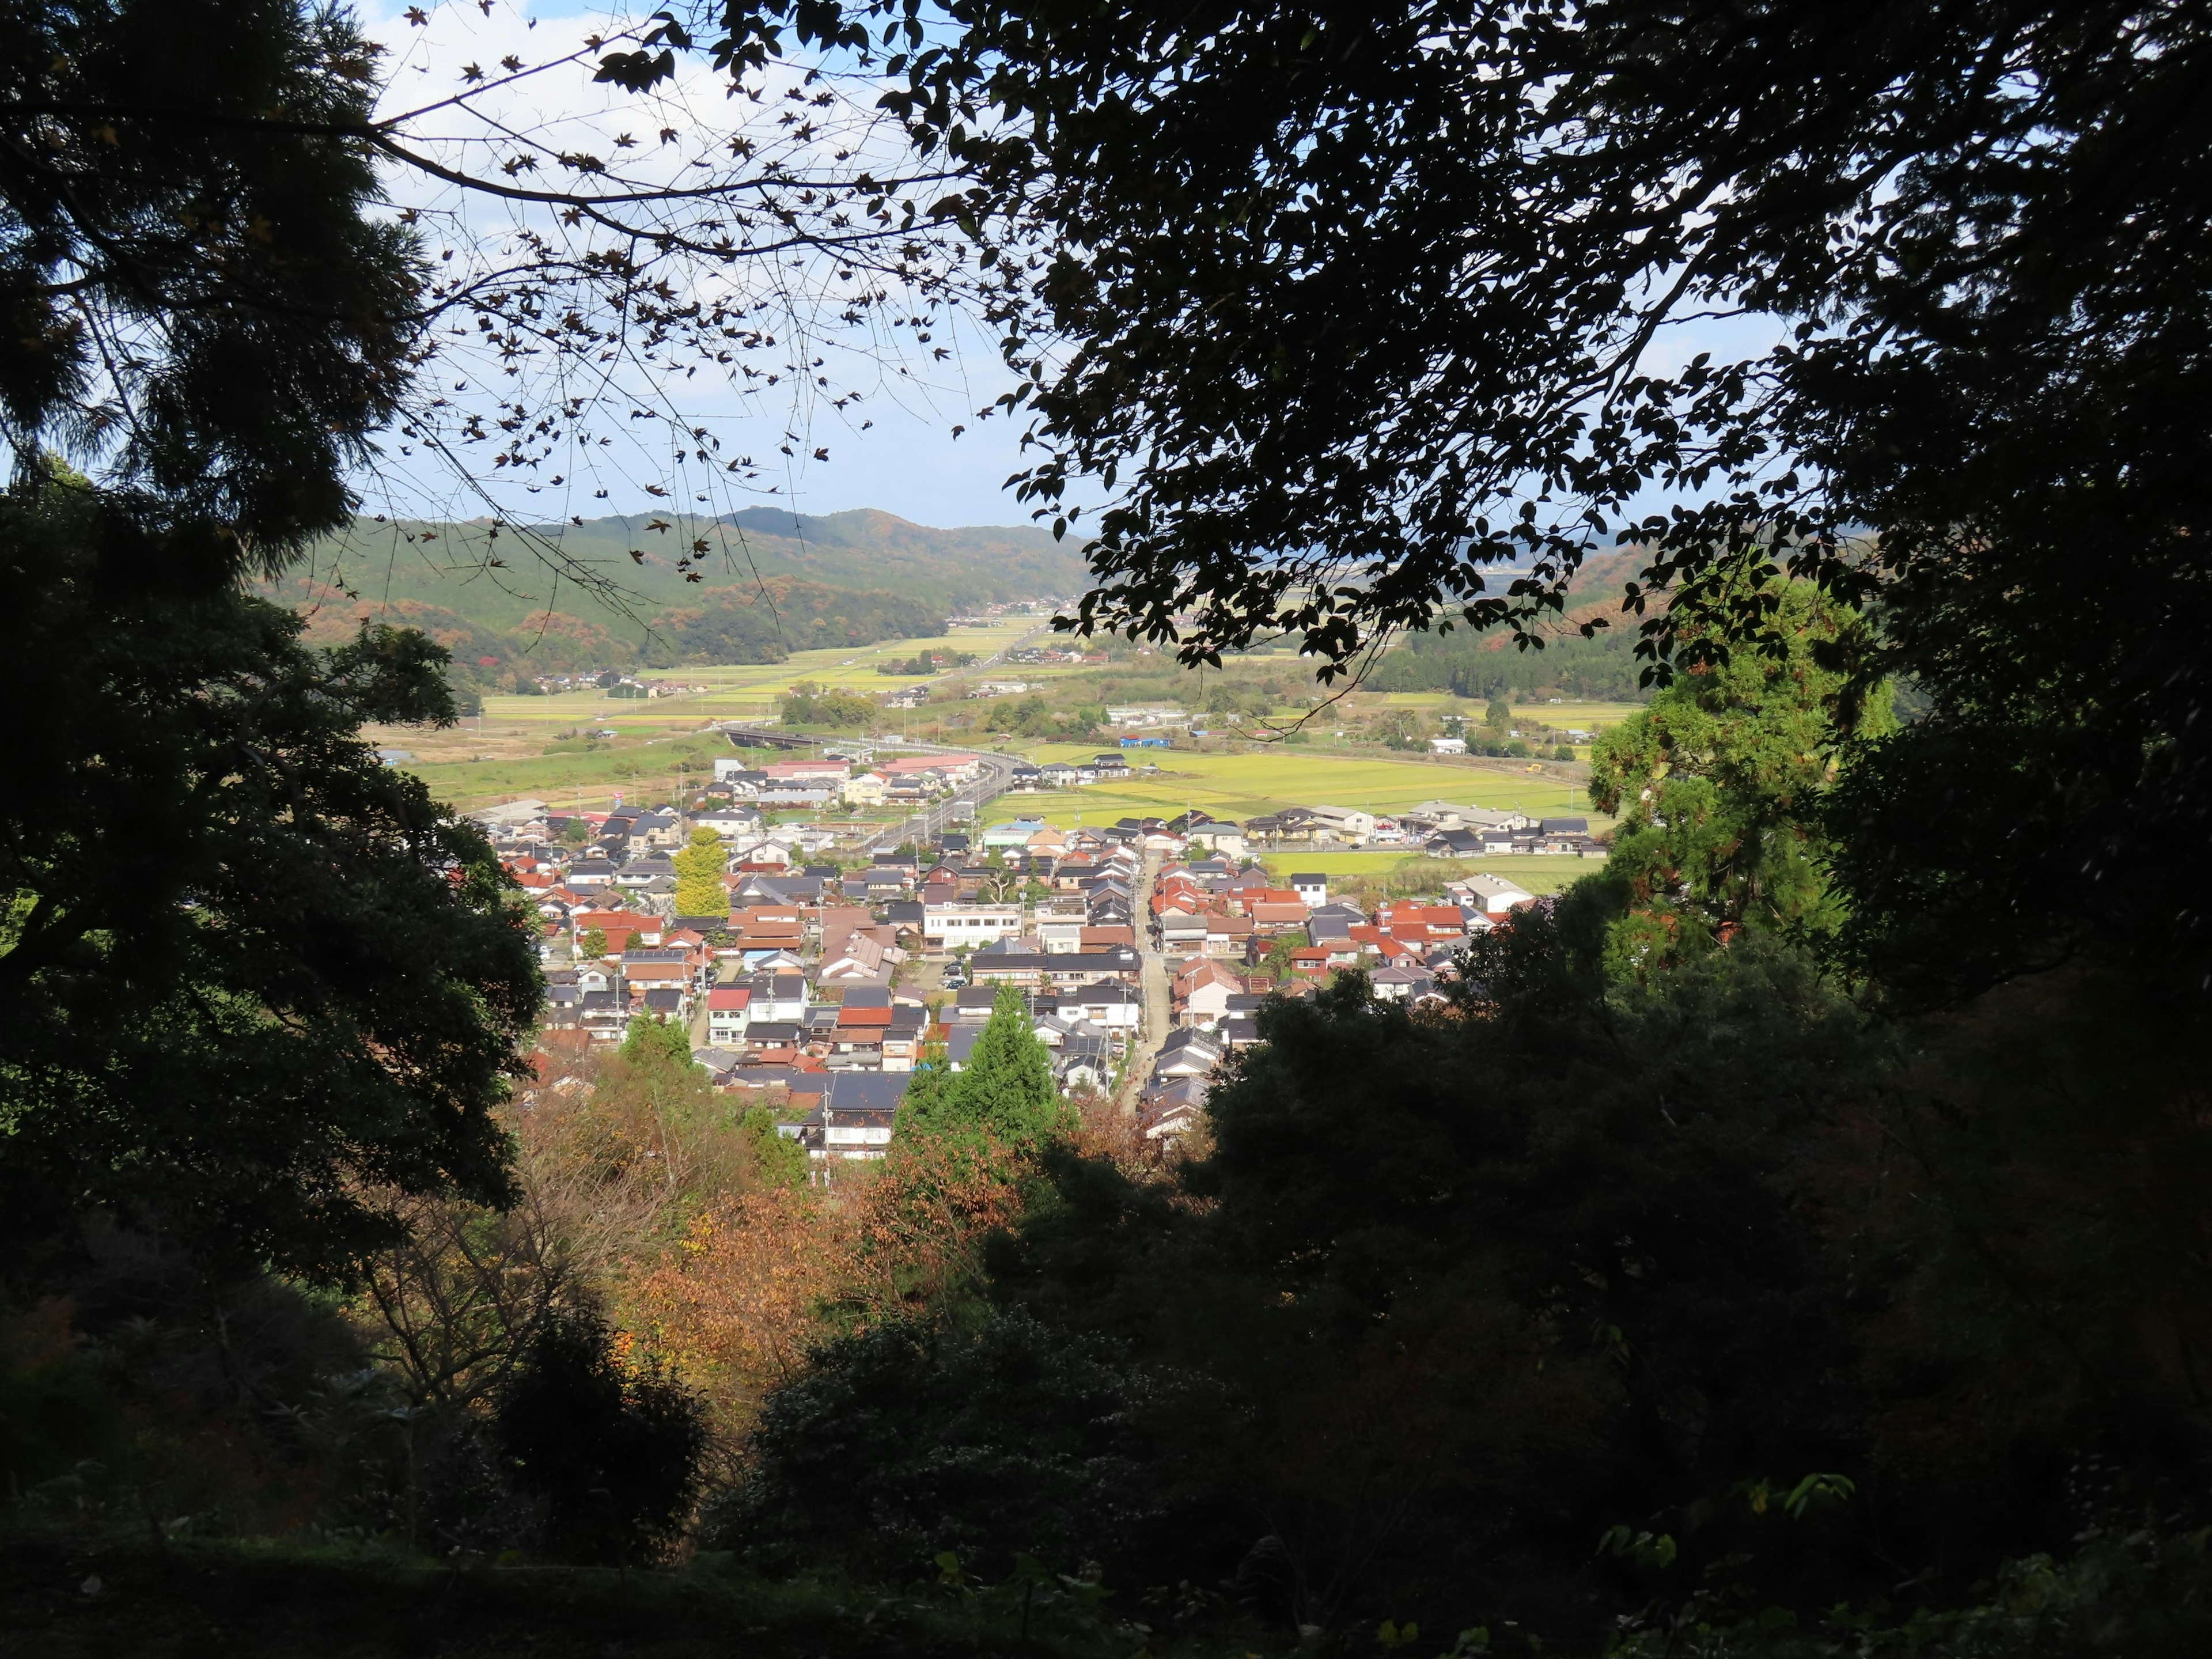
1240	786
658	741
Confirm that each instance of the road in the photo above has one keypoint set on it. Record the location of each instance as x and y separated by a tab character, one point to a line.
995	777
1159	1000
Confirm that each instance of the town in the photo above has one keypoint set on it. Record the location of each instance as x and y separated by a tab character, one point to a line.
817	967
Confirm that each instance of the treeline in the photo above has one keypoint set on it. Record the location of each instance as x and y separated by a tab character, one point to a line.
781	616
762	624
1604	668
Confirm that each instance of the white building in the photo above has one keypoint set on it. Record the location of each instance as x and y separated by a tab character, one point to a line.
948	927
1346	823
1494	894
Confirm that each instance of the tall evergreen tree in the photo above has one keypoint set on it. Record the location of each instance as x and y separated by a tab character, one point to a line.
1007	1088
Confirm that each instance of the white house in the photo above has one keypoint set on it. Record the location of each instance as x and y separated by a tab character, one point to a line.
948	927
1495	894
1312	890
729	1011
1348	823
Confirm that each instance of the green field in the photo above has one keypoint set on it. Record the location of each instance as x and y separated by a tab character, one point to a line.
1239	785
658	741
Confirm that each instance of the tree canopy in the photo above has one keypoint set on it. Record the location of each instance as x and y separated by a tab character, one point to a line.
699	888
1007	1089
1346	311
1720	784
258	980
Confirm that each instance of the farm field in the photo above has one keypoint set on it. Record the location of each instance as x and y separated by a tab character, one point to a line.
502	754
1536	875
1238	786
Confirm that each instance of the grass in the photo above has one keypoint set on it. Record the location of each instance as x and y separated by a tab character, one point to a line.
84	1597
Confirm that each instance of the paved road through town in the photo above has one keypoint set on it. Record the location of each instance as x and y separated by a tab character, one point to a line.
1158	1003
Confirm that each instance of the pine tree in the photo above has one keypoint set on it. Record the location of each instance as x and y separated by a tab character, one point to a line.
1007	1088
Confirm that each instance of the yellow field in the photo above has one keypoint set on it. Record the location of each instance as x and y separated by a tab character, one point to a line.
1239	785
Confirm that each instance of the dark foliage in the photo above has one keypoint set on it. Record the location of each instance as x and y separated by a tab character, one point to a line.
612	1452
1605	668
1458	1291
913	1439
188	268
255	977
1360	304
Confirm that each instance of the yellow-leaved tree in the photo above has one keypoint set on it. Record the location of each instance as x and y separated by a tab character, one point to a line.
699	889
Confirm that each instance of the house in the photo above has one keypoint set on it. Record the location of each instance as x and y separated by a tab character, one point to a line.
1172	1109
591	873
729	1012
728	822
605	1015
1496	896
865	790
1059	774
1454	844
1114	765
778	996
564	1007
1188	1053
669	1004
1025	777
858	1112
1202	989
1228	936
1343	824
832	772
1311	888
1116	1009
1448	745
809	797
1401	984
648	970
858	956
948	927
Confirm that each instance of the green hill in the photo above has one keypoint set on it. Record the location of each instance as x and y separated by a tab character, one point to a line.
661	590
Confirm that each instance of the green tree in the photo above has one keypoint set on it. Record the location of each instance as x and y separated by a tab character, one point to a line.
809	703
778	1159
1007	1088
699	867
659	1043
591	944
1399	728
1718	787
258	982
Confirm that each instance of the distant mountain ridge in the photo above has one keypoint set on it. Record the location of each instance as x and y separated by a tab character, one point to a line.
760	584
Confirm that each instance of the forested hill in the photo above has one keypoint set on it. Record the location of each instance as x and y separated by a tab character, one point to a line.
768	581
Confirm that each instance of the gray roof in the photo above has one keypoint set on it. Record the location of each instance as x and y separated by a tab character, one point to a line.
865	1092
